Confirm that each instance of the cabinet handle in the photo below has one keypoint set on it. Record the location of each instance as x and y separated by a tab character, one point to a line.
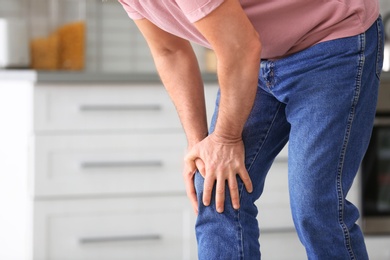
119	164
97	108
93	240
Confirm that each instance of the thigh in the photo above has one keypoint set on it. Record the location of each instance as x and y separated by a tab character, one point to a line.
331	92
331	109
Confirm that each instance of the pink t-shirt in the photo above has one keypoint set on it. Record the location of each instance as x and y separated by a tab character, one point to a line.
284	26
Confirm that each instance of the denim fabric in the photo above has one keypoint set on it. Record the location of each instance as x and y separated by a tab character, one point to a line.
322	101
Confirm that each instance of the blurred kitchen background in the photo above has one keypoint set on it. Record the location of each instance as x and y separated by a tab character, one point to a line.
91	148
93	36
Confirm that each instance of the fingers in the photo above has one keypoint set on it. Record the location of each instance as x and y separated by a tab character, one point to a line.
220	182
246	179
199	164
219	165
191	193
233	189
220	195
192	196
188	175
208	189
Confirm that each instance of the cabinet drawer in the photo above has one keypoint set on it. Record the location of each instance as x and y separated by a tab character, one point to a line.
113	229
108	164
117	107
274	205
281	246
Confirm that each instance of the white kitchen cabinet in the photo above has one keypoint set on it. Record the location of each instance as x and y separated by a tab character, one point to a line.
284	245
273	205
378	247
141	227
16	89
96	107
106	182
108	164
104	163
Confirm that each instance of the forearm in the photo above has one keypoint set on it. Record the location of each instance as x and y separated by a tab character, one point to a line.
237	46
238	77
180	74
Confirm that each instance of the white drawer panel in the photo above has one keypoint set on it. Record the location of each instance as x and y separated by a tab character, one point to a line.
114	229
103	107
281	246
108	164
274	205
106	107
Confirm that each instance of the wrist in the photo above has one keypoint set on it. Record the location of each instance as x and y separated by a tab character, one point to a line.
192	141
225	137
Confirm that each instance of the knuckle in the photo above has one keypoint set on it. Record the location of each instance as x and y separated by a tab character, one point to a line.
234	196
233	185
245	177
219	190
208	188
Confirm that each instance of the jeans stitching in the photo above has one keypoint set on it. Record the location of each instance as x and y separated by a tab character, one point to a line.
241	250
265	138
344	147
380	48
240	238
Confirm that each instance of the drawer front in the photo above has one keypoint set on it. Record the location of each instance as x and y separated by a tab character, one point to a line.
144	228
281	245
108	164
127	107
274	205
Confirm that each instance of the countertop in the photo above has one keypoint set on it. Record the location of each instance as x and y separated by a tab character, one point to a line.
18	75
87	77
91	77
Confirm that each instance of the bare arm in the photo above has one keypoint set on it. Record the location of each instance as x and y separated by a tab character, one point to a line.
179	71
238	48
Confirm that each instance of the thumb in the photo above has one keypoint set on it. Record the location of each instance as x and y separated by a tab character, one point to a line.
191	156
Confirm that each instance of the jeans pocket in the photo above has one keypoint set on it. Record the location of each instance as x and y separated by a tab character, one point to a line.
380	51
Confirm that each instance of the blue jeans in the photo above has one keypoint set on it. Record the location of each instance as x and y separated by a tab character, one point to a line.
322	101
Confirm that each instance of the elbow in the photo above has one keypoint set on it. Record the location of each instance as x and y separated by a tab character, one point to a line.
244	55
255	48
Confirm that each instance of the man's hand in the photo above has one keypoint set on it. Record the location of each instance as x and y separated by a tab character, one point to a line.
188	175
219	160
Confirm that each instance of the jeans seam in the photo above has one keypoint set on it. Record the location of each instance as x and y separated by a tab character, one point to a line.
265	138
340	195
380	47
241	240
241	250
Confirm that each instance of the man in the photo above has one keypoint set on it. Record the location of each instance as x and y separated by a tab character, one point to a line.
301	71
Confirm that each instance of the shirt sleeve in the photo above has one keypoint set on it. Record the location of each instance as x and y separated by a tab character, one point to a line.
195	10
131	12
